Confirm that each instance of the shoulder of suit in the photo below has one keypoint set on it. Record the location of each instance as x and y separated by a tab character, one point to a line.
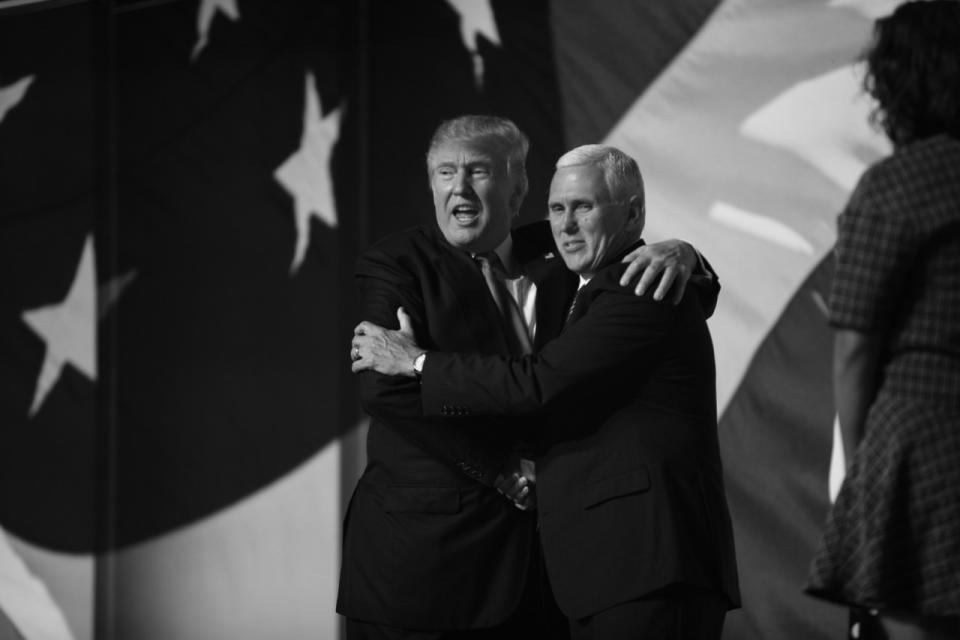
398	256
404	242
533	241
607	280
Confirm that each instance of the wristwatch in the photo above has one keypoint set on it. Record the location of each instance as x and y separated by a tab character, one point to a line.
418	364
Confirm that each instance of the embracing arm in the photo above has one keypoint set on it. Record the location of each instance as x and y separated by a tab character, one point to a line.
675	263
668	264
618	330
383	285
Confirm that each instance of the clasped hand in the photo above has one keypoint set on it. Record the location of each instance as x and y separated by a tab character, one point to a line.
518	482
392	352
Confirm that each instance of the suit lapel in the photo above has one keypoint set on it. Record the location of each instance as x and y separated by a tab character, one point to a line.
469	292
533	246
585	293
555	288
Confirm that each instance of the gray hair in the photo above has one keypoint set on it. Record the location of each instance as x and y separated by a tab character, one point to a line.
620	172
503	133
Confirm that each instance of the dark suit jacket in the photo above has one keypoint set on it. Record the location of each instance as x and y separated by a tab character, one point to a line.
427	543
630	485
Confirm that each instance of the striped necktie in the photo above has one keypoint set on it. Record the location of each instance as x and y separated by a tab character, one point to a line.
514	325
573	305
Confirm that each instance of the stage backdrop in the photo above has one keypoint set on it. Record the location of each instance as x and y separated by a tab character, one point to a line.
185	185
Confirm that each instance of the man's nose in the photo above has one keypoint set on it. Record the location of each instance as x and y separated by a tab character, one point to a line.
461	183
568	222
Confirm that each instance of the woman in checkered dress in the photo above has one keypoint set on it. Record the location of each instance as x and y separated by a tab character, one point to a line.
892	542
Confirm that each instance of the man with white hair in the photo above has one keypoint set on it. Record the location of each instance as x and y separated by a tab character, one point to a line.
634	524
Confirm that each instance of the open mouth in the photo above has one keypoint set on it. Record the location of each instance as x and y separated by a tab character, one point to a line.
465	213
572	245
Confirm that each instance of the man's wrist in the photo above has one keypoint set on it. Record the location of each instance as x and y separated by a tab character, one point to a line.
418	364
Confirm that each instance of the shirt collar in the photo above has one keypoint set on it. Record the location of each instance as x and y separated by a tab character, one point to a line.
505	252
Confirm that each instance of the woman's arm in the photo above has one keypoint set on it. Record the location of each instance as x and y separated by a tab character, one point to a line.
856	377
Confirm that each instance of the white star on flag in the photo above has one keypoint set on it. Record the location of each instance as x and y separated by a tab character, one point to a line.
208	9
476	19
306	174
12	94
68	328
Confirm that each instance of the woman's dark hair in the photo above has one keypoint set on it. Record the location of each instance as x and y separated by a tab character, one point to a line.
913	71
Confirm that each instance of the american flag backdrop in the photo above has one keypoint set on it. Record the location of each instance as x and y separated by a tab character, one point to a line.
185	184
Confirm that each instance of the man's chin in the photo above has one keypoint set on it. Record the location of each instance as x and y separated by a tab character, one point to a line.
464	239
573	264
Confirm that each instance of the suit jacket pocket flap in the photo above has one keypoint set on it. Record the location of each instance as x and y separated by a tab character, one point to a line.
614	487
442	500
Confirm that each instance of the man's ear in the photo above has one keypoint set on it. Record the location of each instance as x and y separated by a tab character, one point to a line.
636	212
516	199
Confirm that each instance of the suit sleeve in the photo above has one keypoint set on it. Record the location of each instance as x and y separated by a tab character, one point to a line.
707	285
618	329
384	284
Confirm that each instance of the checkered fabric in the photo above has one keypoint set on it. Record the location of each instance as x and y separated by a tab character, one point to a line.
898	267
893	538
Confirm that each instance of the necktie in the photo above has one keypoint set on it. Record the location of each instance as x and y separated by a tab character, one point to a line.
573	305
514	325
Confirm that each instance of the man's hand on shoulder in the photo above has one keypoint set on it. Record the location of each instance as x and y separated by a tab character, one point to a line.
673	261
